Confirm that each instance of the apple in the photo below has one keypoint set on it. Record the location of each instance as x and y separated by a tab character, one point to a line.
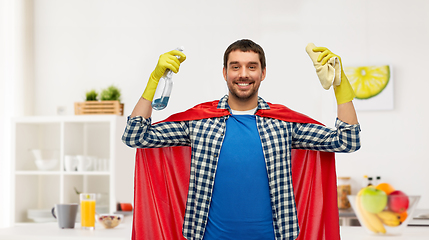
373	200
398	201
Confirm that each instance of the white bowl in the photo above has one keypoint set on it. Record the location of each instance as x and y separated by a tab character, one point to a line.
371	222
47	164
110	220
45	159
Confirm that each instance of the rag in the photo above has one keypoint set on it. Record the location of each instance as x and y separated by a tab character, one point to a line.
330	73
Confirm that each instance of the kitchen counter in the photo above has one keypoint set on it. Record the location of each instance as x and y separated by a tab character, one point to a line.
359	233
51	231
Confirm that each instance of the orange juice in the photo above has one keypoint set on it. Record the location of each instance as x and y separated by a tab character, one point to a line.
87	211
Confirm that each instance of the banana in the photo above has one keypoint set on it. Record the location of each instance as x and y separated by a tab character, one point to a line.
370	220
393	223
375	221
390	218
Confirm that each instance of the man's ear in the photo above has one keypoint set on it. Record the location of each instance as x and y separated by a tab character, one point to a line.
224	73
264	71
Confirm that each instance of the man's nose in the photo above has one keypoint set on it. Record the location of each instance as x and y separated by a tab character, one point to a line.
244	72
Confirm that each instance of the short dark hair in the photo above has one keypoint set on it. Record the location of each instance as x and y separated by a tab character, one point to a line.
245	45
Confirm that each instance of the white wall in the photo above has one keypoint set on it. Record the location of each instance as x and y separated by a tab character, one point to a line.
85	44
16	83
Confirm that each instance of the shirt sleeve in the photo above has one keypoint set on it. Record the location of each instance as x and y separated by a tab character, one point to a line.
345	138
140	133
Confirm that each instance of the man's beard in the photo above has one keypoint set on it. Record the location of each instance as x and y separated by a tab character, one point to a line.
239	94
242	96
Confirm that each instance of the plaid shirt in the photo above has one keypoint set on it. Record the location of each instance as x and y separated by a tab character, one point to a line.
205	136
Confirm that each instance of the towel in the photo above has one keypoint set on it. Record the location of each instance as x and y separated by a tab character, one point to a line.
330	73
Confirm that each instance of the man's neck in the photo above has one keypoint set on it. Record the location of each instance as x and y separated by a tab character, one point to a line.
242	104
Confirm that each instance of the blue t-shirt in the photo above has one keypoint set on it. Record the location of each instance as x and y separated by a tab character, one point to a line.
240	206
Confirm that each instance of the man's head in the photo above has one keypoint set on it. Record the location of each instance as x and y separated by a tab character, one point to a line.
245	45
244	70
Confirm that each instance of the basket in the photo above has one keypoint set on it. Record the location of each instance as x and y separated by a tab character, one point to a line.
99	107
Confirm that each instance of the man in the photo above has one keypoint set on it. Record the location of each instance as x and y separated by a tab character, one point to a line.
240	183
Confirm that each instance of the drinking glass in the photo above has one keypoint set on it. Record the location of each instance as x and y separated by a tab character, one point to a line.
87	210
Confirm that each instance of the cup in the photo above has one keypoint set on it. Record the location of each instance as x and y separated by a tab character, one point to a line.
92	163
70	163
66	214
87	210
105	163
102	164
83	163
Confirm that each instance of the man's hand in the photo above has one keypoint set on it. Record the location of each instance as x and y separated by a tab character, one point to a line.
325	55
344	91
170	60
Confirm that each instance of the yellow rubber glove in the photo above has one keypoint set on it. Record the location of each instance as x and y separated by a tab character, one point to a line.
166	61
343	92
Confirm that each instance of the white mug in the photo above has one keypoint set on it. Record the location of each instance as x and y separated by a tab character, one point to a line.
70	163
84	163
101	164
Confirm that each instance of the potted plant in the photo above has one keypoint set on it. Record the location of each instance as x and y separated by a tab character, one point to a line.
91	95
110	102
111	93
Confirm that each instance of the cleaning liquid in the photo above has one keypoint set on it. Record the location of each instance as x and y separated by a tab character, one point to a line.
163	90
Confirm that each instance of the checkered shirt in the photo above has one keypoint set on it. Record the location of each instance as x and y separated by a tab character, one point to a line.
205	137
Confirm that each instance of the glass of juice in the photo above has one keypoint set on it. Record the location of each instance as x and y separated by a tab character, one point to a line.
87	210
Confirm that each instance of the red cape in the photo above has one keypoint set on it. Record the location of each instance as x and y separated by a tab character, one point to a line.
162	179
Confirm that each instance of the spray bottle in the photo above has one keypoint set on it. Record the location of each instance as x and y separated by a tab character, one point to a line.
165	85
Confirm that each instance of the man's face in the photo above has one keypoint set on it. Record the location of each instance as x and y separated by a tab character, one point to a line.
243	75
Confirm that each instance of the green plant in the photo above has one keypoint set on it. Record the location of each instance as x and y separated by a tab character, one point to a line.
91	95
77	192
111	93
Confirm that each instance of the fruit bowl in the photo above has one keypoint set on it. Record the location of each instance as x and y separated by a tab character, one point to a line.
110	220
384	215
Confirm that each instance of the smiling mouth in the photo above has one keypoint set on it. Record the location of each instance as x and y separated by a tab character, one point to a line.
243	84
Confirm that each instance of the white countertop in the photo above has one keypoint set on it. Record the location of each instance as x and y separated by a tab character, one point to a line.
359	233
51	231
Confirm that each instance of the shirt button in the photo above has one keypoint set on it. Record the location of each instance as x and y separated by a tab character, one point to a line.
211	178
215	155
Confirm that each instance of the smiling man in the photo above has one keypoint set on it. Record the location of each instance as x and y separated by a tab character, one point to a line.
240	183
243	71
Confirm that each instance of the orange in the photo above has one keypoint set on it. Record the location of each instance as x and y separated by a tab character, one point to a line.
387	188
403	216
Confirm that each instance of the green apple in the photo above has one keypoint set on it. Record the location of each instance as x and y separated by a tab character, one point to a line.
373	200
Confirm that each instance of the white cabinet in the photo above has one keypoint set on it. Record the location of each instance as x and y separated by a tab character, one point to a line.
98	136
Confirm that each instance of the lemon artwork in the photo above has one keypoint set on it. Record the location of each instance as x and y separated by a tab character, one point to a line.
368	81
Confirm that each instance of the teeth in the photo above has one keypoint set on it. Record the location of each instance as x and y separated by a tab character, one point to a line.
243	84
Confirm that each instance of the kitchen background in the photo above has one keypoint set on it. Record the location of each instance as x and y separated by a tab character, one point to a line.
53	51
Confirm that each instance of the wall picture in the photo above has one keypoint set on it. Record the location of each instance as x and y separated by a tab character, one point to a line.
373	86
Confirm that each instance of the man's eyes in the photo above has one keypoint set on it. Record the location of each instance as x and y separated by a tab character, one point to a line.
251	67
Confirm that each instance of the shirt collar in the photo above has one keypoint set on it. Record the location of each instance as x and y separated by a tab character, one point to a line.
223	103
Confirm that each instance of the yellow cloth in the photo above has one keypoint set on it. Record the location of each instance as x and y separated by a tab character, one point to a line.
330	73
